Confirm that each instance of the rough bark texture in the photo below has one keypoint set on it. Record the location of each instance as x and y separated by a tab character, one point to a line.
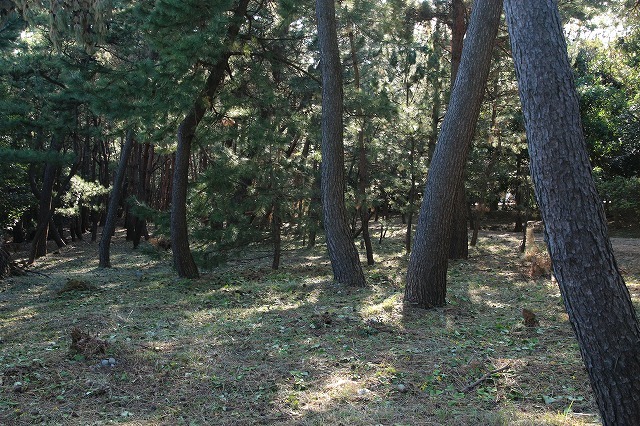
114	201
594	293
459	236
427	270
345	260
182	258
459	243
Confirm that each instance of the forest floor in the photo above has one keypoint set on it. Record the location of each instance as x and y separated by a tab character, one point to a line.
247	345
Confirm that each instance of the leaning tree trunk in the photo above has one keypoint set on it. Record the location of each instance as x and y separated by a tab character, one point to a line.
345	260
595	296
182	258
427	271
114	201
459	243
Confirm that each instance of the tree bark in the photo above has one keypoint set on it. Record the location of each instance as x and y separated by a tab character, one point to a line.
345	260
459	240
114	201
427	271
459	234
182	258
594	293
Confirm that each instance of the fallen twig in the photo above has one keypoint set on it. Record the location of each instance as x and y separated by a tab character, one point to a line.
485	377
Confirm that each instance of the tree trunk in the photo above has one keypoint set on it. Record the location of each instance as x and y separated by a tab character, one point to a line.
459	236
345	260
594	293
276	231
182	258
363	166
315	204
459	240
145	155
39	243
114	200
427	270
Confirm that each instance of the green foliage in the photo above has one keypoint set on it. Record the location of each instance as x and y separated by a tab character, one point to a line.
609	100
620	195
81	193
15	196
24	156
143	211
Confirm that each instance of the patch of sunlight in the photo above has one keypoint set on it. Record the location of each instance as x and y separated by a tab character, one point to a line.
337	388
479	294
267	307
22	314
386	307
566	417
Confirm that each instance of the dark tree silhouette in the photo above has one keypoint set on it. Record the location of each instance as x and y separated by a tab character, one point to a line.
114	201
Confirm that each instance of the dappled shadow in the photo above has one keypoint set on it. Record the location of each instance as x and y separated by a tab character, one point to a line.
247	345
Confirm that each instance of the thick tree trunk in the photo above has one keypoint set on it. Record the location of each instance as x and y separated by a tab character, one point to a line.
114	201
459	240
345	260
182	258
595	296
427	270
459	237
458	28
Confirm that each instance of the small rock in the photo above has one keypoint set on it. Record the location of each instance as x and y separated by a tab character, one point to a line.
363	391
112	361
104	362
18	387
401	388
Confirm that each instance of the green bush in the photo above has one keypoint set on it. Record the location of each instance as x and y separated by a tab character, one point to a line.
621	197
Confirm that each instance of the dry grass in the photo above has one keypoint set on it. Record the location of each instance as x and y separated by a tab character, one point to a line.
245	345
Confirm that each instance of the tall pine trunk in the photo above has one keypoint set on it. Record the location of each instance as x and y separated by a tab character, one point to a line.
114	201
427	271
459	240
182	258
345	260
594	293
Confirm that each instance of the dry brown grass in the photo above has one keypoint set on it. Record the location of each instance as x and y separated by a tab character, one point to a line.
539	261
